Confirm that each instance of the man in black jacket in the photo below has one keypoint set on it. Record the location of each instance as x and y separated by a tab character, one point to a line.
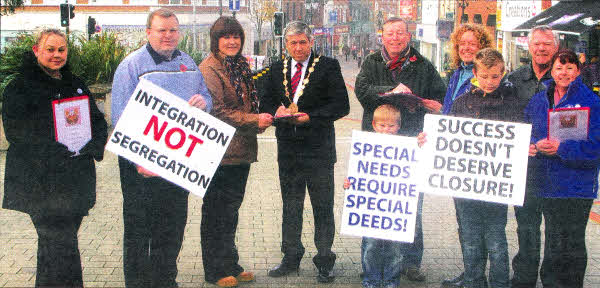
311	88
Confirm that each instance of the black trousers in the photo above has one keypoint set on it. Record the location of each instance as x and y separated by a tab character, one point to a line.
58	259
295	177
565	220
154	217
529	218
219	221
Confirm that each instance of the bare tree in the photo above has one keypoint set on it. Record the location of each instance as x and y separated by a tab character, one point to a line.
9	6
262	11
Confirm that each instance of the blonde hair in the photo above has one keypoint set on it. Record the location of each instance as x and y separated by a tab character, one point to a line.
43	34
161	12
484	37
387	112
488	58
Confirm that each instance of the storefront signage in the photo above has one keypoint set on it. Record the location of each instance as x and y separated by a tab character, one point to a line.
514	13
341	29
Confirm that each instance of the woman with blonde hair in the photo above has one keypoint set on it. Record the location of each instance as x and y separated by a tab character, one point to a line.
44	178
467	40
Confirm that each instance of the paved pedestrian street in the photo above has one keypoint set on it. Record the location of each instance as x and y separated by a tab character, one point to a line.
259	230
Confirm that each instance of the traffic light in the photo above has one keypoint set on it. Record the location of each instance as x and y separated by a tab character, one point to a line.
278	24
91	28
64	15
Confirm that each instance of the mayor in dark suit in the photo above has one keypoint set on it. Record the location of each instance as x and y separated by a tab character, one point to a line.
313	85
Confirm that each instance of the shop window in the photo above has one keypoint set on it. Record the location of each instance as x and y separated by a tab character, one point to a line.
477	19
464	18
491	20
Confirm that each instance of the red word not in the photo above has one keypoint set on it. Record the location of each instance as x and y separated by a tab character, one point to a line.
158	132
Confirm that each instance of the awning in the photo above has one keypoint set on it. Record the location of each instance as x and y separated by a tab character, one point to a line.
569	17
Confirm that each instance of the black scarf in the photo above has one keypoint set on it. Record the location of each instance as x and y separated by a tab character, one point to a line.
239	71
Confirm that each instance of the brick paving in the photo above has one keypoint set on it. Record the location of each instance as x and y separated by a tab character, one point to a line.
259	230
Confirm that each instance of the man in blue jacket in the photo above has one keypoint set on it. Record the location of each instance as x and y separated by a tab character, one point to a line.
155	210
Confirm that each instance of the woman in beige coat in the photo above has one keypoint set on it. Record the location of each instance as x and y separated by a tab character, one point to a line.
235	101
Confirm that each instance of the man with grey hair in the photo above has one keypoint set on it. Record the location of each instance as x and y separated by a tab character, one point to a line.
306	93
155	210
529	80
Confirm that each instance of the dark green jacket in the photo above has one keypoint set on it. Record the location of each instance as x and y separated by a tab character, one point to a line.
419	75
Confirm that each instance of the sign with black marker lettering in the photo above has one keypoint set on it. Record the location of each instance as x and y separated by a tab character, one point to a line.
475	159
164	134
382	199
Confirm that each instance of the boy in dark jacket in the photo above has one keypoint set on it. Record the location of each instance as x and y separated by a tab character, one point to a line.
382	259
490	97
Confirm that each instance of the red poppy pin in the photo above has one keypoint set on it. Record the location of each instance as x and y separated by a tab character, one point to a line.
413	58
182	68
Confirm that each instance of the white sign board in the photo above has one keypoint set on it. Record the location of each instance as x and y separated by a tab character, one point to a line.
515	13
475	159
382	199
166	135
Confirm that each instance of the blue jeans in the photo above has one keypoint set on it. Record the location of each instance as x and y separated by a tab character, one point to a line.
381	261
483	227
413	252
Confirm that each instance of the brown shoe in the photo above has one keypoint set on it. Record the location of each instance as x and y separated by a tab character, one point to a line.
228	281
245	277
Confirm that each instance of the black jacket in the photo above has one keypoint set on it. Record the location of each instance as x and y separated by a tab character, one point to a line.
39	178
419	75
503	104
325	99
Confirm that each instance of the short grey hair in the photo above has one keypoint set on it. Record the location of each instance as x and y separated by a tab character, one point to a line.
297	28
162	12
543	29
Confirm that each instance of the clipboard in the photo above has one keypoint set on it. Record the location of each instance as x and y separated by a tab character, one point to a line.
284	118
568	123
407	100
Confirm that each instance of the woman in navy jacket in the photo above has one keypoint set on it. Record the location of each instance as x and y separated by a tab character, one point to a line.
43	178
467	40
567	172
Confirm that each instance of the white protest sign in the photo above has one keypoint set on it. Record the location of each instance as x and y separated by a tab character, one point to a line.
166	135
475	159
382	199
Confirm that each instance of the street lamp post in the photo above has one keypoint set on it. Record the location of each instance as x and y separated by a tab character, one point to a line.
462	4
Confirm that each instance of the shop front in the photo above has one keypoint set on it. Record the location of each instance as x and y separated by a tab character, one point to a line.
577	23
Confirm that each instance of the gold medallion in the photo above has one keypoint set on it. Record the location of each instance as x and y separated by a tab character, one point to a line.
293	108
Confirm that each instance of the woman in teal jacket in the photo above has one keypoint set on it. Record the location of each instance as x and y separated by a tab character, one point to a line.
567	172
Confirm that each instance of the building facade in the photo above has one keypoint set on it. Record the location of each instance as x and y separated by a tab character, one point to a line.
127	18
